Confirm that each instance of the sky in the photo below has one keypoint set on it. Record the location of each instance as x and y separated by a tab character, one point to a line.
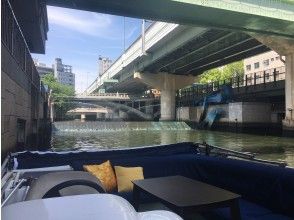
79	37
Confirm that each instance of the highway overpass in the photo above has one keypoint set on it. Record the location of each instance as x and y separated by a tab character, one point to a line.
217	32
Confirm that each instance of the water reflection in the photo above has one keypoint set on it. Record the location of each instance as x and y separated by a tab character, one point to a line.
265	147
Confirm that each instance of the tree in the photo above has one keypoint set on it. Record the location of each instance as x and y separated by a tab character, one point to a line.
59	94
223	73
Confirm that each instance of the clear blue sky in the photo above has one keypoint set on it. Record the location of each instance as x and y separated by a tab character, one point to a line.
79	37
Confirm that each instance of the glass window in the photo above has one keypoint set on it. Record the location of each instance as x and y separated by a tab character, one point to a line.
266	62
272	59
256	65
248	67
277	58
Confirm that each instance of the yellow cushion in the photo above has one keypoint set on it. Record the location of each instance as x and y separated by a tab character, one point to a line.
104	173
124	176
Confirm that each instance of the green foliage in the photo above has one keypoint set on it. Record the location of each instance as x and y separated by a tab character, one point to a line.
224	73
59	94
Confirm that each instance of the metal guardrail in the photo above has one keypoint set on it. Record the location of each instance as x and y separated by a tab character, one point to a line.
152	35
199	91
215	150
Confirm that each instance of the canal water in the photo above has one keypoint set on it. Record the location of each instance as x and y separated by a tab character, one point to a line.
265	147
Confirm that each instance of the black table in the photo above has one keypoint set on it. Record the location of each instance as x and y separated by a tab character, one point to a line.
184	195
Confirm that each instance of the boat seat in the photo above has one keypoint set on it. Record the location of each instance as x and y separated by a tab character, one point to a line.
66	183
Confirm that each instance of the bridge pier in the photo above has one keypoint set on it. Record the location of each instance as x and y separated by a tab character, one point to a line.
285	47
168	84
83	117
123	115
288	122
167	104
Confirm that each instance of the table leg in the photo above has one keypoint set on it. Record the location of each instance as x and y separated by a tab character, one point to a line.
235	210
136	197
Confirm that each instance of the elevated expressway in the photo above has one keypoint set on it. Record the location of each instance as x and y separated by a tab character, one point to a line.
173	55
217	32
175	49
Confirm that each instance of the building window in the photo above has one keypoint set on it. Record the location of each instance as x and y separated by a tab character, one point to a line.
277	58
256	65
266	62
248	67
272	59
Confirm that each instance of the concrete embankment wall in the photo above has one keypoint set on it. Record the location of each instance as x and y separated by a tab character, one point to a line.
15	101
21	106
88	126
239	116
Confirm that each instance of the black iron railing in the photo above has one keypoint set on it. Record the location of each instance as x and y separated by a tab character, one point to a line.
189	95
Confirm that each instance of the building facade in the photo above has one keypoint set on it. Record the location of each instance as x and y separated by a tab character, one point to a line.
24	100
103	64
42	68
263	66
63	73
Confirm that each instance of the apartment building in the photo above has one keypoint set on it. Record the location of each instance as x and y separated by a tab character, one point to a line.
103	64
42	68
262	66
63	73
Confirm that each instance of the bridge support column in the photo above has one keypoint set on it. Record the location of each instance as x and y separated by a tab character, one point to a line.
285	47
115	114
123	115
288	123
167	84
83	117
167	104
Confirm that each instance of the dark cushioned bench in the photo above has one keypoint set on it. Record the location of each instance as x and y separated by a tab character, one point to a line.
267	191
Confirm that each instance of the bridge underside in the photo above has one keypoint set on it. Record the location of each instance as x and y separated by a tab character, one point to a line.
130	85
212	48
228	25
246	15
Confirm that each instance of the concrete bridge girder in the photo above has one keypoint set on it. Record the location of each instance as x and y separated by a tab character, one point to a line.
244	15
281	45
168	84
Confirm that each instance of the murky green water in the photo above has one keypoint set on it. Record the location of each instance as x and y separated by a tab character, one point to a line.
265	147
